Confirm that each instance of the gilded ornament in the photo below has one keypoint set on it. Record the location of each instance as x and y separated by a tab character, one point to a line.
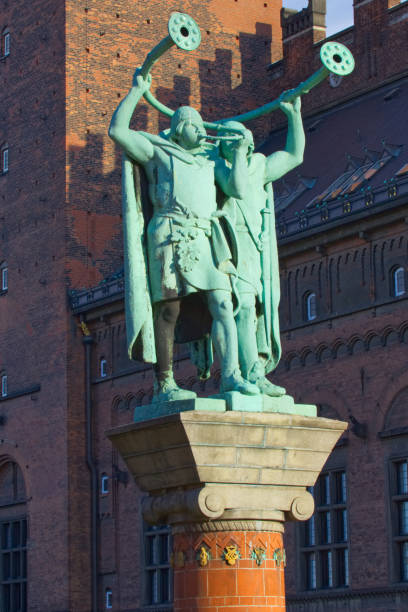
85	329
231	554
203	556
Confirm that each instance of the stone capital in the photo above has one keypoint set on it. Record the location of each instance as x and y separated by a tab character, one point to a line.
207	471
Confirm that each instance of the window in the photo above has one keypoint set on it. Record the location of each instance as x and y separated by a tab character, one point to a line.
13	564
108	599
6	44
104	484
399	500
157	565
310	310
4	385
4	277
398	281
324	548
4	159
12	487
13	539
103	367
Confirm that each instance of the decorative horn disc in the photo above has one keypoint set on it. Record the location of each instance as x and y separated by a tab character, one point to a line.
337	58
184	31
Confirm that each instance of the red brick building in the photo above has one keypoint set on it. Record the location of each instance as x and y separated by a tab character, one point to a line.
70	525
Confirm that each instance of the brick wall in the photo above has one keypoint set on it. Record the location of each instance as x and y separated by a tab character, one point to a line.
33	313
376	40
105	43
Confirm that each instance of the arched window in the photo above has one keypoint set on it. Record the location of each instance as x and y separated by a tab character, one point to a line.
12	487
108	599
310	310
5	42
395	439
13	537
398	281
4	385
4	158
104	484
103	367
3	277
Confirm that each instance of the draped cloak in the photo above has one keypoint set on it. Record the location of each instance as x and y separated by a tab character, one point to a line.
193	249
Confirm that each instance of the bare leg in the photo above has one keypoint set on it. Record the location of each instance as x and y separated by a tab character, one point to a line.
165	318
251	366
246	328
225	340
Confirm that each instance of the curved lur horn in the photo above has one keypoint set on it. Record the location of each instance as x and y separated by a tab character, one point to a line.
335	57
185	33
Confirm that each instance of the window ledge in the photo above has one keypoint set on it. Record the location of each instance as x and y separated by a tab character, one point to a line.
19	393
307	596
18	502
393	433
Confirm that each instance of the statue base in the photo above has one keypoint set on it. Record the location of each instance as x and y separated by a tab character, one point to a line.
205	467
226	479
225	402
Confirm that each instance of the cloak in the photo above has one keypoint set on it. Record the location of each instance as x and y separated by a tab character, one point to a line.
268	322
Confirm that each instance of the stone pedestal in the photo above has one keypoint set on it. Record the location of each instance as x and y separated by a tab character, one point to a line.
226	481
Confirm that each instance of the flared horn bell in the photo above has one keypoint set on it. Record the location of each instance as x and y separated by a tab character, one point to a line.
184	31
337	58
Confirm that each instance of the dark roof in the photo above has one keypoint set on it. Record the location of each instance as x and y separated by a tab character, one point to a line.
356	157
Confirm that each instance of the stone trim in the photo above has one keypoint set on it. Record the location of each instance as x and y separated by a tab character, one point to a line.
345	594
303	353
21	392
217	526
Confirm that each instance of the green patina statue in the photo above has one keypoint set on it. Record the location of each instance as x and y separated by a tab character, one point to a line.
185	251
201	270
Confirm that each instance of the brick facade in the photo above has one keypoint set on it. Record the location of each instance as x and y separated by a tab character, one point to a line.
70	63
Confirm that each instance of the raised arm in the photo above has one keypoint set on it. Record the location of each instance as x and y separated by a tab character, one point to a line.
281	162
233	179
137	146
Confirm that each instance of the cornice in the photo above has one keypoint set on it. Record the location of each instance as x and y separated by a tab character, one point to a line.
354	594
342	211
371	339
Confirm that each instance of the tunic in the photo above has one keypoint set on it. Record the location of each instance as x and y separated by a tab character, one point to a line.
186	248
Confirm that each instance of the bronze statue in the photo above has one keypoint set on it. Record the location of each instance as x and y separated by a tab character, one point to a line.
186	250
192	264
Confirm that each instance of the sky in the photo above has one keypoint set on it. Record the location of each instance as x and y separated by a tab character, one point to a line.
339	13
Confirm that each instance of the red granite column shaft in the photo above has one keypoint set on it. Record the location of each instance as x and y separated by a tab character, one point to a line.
229	571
